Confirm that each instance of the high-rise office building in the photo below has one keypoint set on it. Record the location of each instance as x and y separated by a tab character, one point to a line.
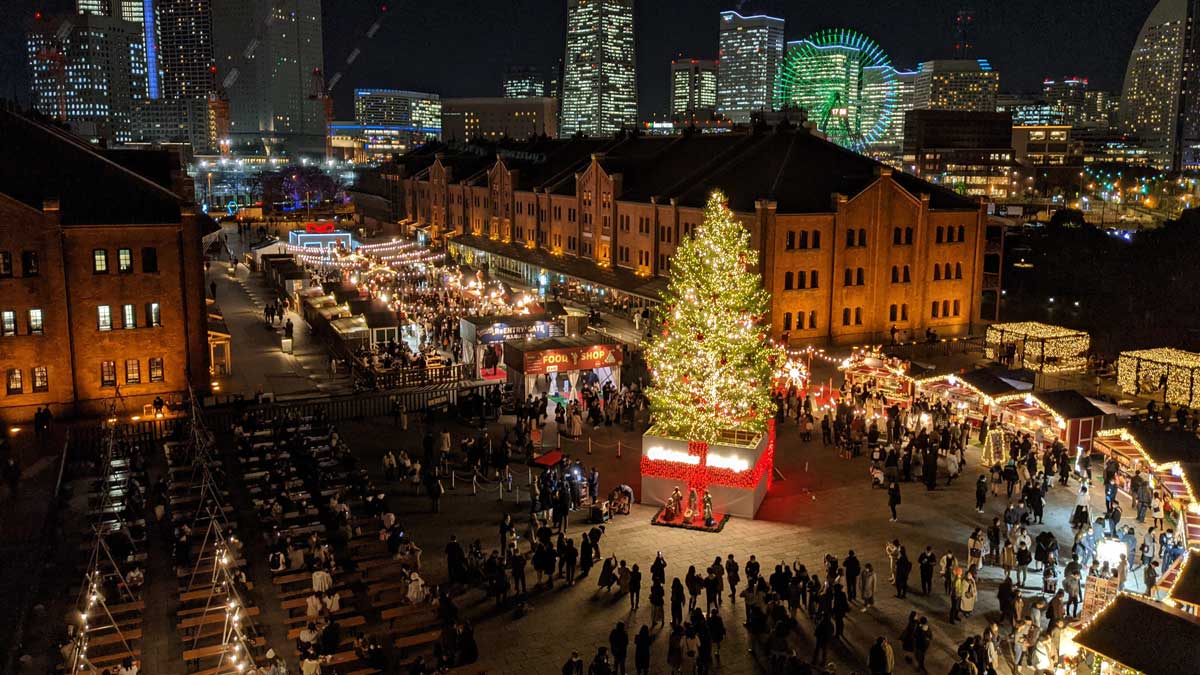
1068	96
98	7
1151	100
1101	109
891	145
185	48
693	88
1029	110
956	84
266	52
415	117
88	71
751	52
600	85
465	119
524	82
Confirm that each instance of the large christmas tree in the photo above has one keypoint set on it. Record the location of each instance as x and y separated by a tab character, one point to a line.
711	362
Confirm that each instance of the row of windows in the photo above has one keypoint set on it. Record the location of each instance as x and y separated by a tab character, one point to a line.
900	276
15	380
801	280
104	316
812	320
29	264
857	314
623	256
133	371
100	262
856	277
35	323
856	238
951	235
803	239
900	315
941	272
947	308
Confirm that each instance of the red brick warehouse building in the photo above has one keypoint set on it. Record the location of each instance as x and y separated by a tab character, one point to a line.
849	247
101	276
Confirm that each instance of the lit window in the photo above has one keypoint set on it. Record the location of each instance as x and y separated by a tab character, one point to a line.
14	381
29	263
41	379
35	322
128	317
133	371
108	373
104	317
124	260
8	322
100	261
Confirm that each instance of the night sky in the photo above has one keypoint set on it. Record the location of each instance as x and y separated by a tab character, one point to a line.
462	47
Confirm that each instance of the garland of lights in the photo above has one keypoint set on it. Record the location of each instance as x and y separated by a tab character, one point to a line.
1174	468
1067	346
1140	371
712	363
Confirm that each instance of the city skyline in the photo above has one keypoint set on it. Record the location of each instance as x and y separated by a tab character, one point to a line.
666	28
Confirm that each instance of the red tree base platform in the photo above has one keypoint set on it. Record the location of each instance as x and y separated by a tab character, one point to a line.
696	523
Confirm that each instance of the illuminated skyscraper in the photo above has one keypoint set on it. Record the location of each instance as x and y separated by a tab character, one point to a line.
88	71
1154	78
1067	96
600	85
267	72
524	82
891	143
956	84
693	88
750	57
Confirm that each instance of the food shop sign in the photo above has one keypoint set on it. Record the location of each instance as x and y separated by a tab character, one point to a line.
572	358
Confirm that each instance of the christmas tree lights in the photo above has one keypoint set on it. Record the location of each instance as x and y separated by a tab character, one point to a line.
711	361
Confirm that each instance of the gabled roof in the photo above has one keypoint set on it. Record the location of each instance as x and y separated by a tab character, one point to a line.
1187	584
39	163
1145	636
1070	404
983	380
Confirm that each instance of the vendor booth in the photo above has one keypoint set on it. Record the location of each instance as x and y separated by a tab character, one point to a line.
1063	415
322	235
1183	588
735	472
971	394
1037	346
875	370
1164	456
482	335
1150	371
1134	636
562	361
352	331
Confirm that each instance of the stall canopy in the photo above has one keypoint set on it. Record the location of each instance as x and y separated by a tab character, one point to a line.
979	382
1066	413
1037	346
561	354
1170	456
1186	587
1169	642
1143	372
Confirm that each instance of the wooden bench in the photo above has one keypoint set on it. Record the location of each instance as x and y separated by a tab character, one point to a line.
347	622
302	619
217	650
205	593
102	660
415	641
203	569
217	616
302	602
380	587
115	637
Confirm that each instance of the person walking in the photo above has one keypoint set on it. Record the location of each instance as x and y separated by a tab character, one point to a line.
981	492
866	587
732	577
618	645
921	643
657	598
880	659
676	602
716	633
893	499
926	562
635	588
853	568
903	568
823	635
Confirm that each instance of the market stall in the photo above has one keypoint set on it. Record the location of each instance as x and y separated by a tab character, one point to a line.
876	371
1105	646
352	331
1037	346
1166	457
1183	588
1172	374
483	338
1064	415
971	394
563	361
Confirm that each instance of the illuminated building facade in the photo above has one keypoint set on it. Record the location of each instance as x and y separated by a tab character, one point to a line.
417	114
466	119
1046	146
88	71
267	73
693	89
1068	97
101	276
524	82
751	53
968	152
599	85
1028	110
956	84
890	146
848	246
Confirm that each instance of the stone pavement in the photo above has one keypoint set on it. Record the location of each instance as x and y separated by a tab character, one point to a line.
825	505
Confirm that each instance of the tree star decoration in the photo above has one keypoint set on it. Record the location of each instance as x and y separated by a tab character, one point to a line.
712	368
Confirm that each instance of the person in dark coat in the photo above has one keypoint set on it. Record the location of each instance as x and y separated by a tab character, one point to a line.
618	644
903	569
853	568
641	651
716	632
676	602
893	498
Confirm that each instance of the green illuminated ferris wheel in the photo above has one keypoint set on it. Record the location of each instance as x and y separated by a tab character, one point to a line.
845	82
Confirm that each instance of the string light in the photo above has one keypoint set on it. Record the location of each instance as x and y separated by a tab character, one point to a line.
1142	370
1057	349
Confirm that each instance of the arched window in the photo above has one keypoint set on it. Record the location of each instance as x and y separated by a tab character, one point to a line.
907	276
812	279
787	321
962	231
945	308
848	277
859	277
858	316
897	236
957	270
935	309
892	313
812	320
937	272
941	234
904	312
787	281
895	274
846	316
946	272
862	237
816	239
908	235
790	240
949	235
849	238
803	239
956	307
800	279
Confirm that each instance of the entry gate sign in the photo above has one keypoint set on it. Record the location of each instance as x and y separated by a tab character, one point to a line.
572	358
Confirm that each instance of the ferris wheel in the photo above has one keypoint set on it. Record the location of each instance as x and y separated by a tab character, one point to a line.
844	81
